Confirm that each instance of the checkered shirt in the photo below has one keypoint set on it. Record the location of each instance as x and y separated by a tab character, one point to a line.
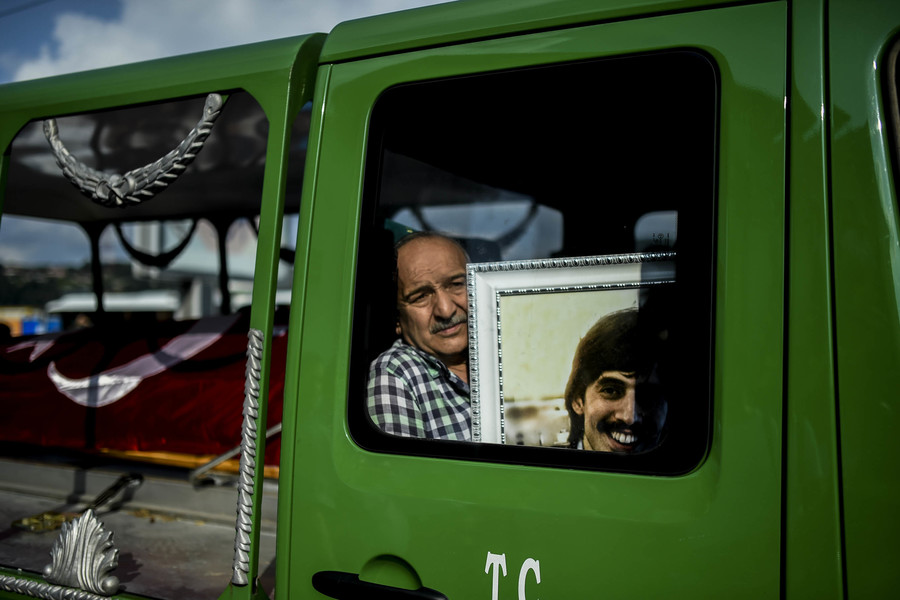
413	394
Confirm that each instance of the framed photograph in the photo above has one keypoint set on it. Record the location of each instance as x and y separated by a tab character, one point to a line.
526	319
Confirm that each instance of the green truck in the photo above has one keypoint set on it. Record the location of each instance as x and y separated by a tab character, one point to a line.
197	265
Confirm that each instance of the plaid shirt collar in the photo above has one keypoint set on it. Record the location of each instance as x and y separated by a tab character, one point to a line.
436	363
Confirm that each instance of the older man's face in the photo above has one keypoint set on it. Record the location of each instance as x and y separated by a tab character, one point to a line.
621	413
431	298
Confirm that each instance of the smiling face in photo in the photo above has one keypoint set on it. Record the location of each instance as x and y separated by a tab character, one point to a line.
621	414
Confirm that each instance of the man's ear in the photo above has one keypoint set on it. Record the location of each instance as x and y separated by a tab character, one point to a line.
578	406
397	328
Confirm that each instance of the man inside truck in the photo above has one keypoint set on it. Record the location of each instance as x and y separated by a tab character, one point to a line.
613	397
419	387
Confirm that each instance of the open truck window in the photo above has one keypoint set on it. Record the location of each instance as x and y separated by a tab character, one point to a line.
129	326
584	196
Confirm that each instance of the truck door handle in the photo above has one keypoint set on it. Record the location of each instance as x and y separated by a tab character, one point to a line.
347	586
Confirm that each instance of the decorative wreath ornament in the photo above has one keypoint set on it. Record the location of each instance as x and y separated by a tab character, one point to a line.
138	185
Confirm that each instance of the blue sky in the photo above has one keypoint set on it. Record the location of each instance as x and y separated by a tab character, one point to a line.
27	25
39	38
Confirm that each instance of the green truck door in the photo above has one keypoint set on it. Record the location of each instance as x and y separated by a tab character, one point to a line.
473	521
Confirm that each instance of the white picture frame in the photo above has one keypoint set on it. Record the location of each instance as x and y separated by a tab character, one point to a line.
537	310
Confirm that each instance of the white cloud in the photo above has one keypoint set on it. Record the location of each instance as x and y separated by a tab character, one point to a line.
148	30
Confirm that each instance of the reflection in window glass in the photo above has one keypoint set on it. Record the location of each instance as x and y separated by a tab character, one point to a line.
617	158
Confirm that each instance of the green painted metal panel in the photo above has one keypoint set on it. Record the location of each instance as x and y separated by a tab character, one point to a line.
812	560
289	485
867	292
713	532
455	22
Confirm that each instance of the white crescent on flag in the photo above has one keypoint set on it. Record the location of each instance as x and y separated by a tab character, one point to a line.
113	384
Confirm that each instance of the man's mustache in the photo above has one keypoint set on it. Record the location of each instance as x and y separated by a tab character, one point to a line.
448	323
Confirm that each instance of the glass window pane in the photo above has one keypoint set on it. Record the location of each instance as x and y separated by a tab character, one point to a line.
587	160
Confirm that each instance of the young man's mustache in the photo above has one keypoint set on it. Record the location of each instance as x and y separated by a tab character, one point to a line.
448	323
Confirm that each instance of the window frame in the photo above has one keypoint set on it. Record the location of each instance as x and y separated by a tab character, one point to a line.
366	434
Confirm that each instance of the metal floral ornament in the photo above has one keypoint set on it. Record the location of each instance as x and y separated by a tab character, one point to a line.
83	556
138	185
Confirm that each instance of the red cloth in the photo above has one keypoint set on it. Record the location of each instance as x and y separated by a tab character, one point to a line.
193	407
